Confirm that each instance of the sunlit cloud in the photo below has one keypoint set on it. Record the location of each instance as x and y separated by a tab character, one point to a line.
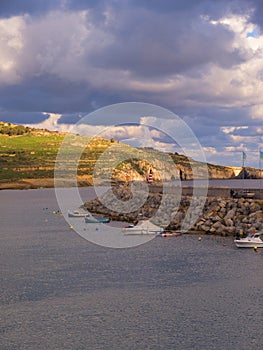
11	44
69	60
231	129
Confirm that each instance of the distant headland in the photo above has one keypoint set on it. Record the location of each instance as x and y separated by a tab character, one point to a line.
28	156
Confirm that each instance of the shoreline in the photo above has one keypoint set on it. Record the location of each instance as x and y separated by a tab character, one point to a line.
221	215
28	184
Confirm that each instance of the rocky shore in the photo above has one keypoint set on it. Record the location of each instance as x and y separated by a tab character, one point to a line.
219	216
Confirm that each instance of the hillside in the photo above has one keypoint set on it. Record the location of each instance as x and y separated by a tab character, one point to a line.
27	153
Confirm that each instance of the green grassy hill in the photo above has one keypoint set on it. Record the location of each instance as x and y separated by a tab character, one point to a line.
27	153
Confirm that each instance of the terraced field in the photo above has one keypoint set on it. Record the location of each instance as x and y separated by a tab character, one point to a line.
31	154
28	156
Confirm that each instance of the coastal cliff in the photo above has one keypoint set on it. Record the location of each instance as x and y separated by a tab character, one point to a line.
28	158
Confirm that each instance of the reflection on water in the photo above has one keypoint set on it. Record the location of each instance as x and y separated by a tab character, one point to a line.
58	291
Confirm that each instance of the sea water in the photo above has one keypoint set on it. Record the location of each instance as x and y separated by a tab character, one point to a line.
59	291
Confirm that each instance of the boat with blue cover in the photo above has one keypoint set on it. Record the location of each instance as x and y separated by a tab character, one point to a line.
93	220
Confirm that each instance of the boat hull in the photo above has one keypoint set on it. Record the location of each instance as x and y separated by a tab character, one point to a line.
141	232
171	234
97	220
75	214
143	228
248	244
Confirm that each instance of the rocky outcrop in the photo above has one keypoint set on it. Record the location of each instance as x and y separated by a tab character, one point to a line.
249	173
219	216
231	216
167	167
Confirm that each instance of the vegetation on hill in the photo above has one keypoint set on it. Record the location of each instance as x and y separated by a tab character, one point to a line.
13	130
28	156
27	153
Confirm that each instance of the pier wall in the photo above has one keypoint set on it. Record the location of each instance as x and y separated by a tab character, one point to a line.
223	192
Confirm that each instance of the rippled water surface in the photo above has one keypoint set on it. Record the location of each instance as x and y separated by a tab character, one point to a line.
58	291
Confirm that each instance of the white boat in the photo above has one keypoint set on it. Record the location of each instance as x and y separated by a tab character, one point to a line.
144	227
244	194
77	214
251	241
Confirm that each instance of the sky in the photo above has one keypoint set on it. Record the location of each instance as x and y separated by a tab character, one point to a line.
200	59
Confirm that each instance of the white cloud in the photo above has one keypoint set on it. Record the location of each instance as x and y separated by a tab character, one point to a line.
51	123
165	147
69	44
210	150
256	112
123	132
132	53
135	135
11	46
244	139
231	129
56	44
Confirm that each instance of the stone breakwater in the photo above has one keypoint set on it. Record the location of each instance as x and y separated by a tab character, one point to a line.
218	216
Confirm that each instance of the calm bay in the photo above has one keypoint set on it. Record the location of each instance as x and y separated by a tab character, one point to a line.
59	291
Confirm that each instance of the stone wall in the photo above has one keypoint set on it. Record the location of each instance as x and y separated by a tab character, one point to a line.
219	215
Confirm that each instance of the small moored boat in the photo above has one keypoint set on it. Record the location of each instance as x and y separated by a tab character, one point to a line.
170	233
77	214
144	227
251	241
93	220
244	194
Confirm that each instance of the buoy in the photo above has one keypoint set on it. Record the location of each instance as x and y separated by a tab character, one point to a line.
71	227
199	238
54	212
256	249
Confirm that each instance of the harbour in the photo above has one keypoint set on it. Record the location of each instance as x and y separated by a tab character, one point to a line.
59	291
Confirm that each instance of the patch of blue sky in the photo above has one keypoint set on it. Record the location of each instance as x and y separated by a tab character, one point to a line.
253	34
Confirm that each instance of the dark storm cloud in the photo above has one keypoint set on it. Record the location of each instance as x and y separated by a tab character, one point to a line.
69	119
72	57
96	5
213	9
19	117
151	44
218	115
48	94
207	122
257	16
180	5
13	8
40	7
152	52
